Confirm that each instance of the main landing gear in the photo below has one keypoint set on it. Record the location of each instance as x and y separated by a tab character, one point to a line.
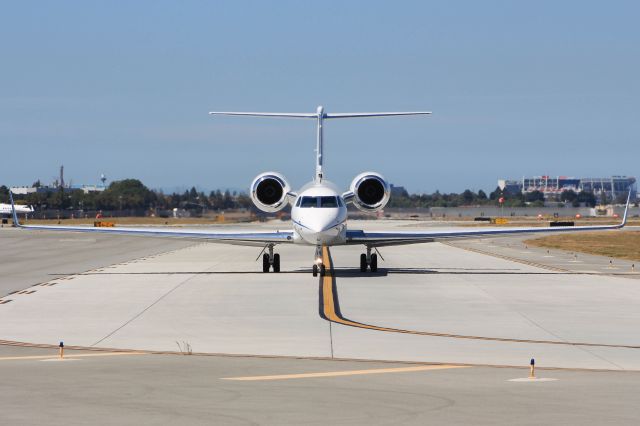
369	260
270	260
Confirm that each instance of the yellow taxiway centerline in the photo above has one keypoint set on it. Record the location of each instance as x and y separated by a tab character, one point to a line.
347	373
330	314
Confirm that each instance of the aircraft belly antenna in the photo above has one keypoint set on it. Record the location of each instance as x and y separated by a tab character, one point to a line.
319	116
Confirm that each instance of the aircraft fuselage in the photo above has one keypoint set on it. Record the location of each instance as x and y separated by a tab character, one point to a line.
319	216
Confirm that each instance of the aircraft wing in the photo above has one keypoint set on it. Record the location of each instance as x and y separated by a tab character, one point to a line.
256	238
381	239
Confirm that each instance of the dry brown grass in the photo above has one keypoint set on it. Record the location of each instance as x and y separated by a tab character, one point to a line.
618	244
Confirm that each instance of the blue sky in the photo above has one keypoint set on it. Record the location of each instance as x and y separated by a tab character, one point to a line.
517	88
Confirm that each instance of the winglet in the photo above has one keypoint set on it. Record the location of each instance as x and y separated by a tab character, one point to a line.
626	210
16	222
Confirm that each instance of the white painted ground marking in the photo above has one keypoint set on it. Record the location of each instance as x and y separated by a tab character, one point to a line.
347	373
69	357
532	380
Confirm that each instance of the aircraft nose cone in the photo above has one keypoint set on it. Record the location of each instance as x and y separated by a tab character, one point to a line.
321	227
321	224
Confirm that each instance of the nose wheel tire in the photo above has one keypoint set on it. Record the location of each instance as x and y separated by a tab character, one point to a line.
322	270
265	263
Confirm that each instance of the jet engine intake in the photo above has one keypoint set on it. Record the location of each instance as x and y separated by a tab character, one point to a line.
370	191
269	192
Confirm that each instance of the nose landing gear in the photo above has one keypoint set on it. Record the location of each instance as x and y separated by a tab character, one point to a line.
319	267
322	270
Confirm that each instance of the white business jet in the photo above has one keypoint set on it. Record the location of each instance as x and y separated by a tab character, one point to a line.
319	211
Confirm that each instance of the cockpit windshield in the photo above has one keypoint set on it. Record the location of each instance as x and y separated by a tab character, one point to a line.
309	202
319	202
330	202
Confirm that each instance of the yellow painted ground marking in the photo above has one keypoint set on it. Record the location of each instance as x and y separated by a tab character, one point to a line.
329	311
347	373
17	358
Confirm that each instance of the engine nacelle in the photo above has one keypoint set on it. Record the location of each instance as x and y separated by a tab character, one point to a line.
269	192
370	192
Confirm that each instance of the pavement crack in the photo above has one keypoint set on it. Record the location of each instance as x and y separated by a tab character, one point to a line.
139	314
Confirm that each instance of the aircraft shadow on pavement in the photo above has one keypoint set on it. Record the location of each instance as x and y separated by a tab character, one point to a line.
383	272
187	273
337	272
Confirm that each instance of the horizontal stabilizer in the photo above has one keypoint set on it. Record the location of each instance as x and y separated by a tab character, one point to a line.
266	114
316	115
374	114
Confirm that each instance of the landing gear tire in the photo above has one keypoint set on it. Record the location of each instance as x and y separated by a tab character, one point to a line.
276	262
323	270
363	262
315	270
374	263
265	263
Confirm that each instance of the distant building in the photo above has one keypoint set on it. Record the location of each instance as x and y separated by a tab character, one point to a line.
611	187
24	190
59	184
88	188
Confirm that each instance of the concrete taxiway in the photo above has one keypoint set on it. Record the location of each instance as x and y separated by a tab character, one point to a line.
429	304
194	390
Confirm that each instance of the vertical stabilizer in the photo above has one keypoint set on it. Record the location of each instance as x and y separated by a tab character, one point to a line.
319	146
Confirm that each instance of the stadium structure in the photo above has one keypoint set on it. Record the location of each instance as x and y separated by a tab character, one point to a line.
610	188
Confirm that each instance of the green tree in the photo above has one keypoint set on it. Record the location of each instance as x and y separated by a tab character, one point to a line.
4	194
588	198
128	193
497	193
534	196
568	196
468	196
193	194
